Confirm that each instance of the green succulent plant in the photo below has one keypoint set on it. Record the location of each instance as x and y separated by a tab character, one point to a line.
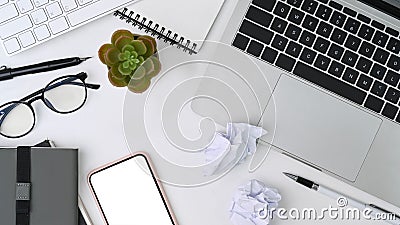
131	59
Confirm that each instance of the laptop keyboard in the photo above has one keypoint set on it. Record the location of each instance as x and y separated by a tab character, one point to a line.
332	46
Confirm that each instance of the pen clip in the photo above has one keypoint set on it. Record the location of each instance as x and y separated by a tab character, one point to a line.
3	68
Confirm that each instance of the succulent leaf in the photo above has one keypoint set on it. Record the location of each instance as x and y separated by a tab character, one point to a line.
120	33
111	56
140	87
122	41
139	46
102	51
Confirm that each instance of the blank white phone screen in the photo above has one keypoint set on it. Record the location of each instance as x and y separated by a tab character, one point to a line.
128	195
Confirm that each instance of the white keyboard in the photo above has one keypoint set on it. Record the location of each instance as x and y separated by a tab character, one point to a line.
27	23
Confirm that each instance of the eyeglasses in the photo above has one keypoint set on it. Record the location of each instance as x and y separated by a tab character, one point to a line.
63	95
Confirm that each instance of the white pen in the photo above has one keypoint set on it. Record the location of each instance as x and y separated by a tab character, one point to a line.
374	210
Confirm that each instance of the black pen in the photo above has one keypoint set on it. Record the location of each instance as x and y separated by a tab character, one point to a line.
10	73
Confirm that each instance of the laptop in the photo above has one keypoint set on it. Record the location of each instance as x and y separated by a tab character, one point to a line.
333	68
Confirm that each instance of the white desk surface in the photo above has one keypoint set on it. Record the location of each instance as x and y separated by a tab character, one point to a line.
98	132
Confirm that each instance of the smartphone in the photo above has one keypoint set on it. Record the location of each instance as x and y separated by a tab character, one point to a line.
128	192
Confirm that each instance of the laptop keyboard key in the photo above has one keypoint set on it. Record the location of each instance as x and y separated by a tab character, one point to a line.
336	5
366	32
295	3
308	55
392	31
393	46
365	82
279	42
259	16
349	12
241	41
307	38
393	95
394	63
381	56
349	58
364	65
256	32
380	39
353	42
352	25
324	29
310	23
336	51
296	16
338	36
363	18
279	25
350	75
255	48
285	62
281	9
323	12
374	103
321	45
293	32
338	19
390	111
367	49
378	71
336	69
379	89
322	62
269	54
309	6
329	82
392	78
294	49
267	5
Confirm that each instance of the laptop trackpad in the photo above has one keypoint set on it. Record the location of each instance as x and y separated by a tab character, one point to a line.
321	129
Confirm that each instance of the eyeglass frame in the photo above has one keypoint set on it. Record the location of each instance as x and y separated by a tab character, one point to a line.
39	95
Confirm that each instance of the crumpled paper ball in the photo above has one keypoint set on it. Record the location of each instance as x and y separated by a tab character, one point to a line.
252	204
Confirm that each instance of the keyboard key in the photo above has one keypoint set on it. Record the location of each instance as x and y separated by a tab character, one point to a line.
256	32
350	12
379	89
364	82
68	5
8	12
24	5
269	54
296	16
39	16
390	111
84	2
381	56
349	58
366	32
324	29
310	23
378	71
321	45
15	26
338	36
308	55
279	25
392	31
353	42
39	3
350	75
241	41
53	10
329	82
294	49
322	62
392	78
307	38
394	63
27	39
267	5
293	32
392	95
338	19
285	62
367	49
42	32
335	51
336	5
296	3
12	45
281	9
374	103
279	42
259	16
309	6
323	12
393	46
364	65
380	39
352	25
378	25
336	69
363	18
255	48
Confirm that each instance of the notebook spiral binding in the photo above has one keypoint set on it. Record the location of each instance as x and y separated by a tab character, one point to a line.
156	30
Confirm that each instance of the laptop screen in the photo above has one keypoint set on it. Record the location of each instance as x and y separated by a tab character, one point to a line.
390	7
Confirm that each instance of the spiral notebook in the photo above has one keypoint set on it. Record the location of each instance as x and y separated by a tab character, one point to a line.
183	23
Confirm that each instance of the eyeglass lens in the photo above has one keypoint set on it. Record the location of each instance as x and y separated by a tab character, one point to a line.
16	119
